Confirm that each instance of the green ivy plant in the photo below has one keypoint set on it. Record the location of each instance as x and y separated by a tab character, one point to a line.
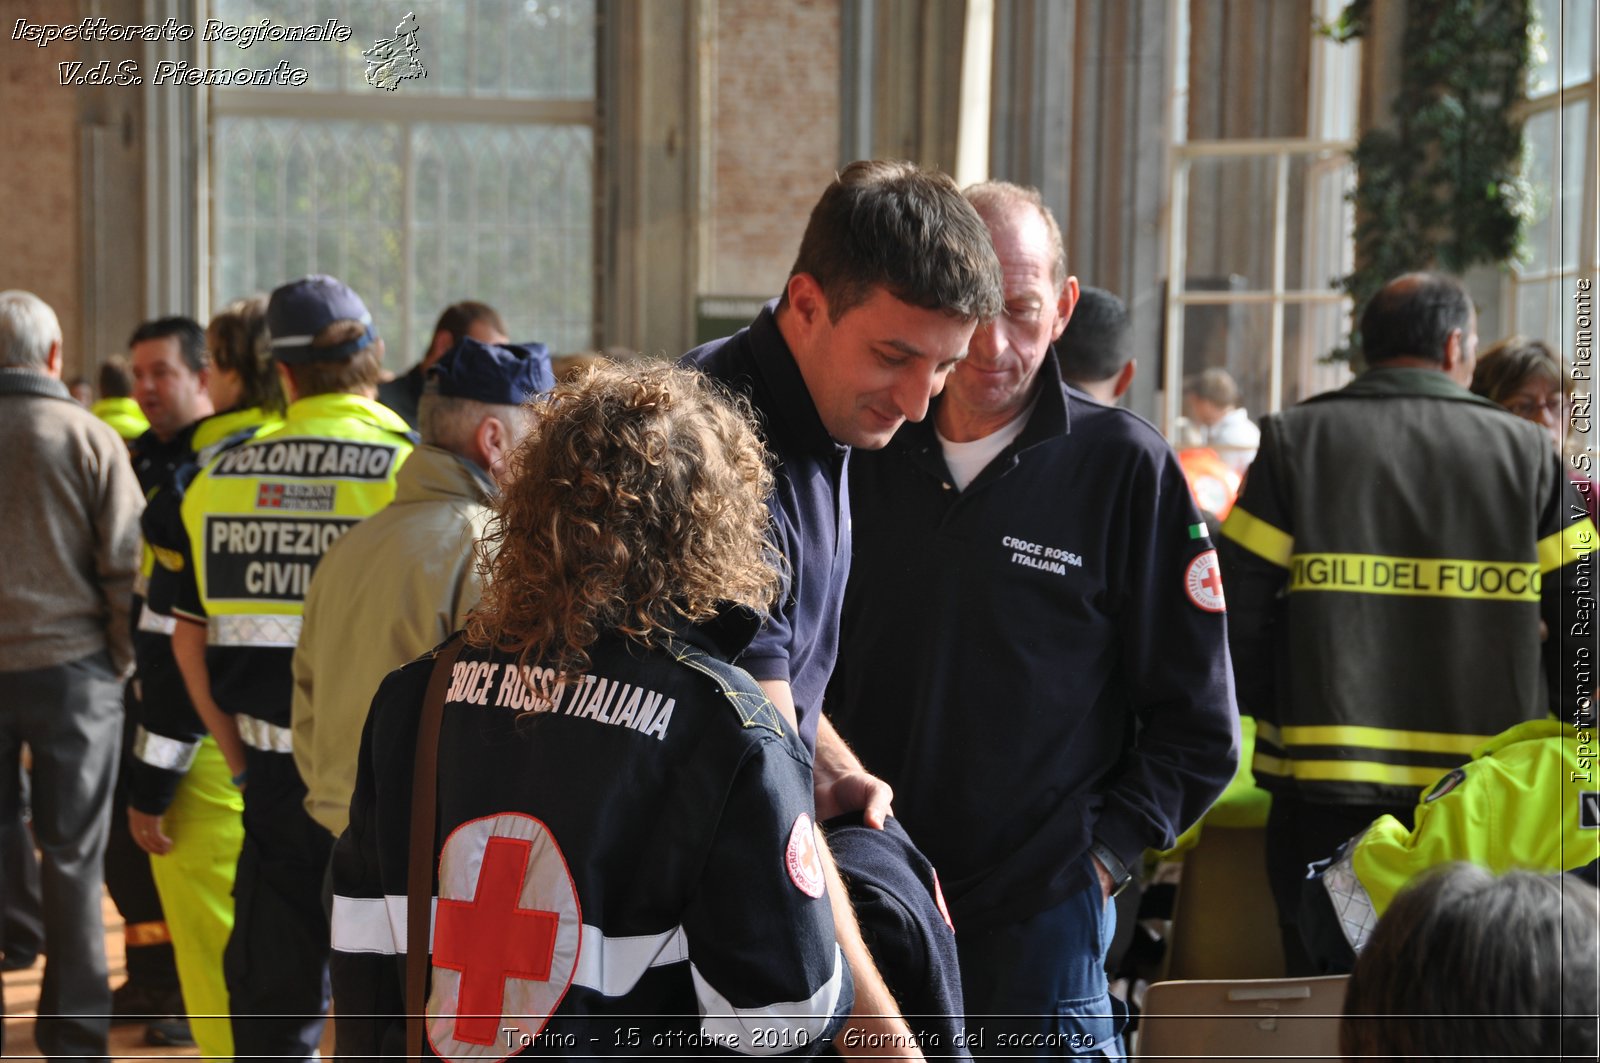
1444	188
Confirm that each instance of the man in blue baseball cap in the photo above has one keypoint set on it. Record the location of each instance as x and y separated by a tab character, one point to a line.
258	518
401	581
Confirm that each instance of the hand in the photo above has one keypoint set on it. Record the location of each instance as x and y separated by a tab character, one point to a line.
147	833
854	791
1105	878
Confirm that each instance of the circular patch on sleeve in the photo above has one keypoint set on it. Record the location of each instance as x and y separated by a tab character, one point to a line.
801	858
1203	582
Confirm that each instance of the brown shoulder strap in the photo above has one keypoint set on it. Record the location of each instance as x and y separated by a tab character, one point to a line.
419	868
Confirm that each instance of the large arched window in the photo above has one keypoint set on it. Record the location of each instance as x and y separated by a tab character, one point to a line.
473	181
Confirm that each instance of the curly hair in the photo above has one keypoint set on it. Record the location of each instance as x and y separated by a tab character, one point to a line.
636	501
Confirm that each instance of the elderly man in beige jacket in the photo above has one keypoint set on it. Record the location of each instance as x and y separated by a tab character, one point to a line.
71	514
395	585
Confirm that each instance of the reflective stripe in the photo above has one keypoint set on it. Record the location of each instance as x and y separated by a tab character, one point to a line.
1416	577
370	924
1345	771
612	966
1357	916
1568	544
267	737
781	1026
159	751
1266	764
1259	537
264	631
1371	738
154	622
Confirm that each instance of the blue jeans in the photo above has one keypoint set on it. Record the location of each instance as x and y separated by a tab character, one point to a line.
1038	987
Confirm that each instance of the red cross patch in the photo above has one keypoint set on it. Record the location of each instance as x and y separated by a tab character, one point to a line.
506	937
802	860
1203	582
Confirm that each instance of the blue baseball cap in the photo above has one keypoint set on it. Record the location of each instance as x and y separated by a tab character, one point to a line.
299	310
504	374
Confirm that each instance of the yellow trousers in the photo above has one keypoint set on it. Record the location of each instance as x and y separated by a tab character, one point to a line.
195	881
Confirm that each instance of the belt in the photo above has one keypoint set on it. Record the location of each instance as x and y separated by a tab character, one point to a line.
267	737
267	631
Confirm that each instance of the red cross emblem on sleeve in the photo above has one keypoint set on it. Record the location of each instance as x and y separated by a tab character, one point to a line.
506	936
1202	582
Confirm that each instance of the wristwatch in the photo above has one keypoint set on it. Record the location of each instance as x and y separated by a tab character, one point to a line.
1120	875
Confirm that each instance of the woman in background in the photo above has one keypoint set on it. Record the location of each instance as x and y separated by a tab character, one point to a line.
1526	377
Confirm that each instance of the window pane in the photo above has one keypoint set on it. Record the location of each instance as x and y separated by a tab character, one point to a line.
1532	309
296	197
1539	136
1577	136
1321	221
493	48
1235	337
500	212
1563	44
1554	235
503	215
1226	246
1239	85
1310	331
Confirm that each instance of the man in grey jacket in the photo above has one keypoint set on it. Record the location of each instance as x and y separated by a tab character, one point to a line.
71	509
395	585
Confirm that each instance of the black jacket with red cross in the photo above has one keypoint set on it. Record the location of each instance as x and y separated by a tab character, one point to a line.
1039	661
626	867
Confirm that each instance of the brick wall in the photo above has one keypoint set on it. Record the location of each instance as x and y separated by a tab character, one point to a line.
39	240
776	128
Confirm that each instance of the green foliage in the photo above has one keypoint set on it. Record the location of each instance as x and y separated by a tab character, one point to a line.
1444	188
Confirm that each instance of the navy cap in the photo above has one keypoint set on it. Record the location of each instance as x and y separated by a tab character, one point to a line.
504	374
300	309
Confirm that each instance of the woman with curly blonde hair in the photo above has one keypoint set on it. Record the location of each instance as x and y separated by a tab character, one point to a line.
630	510
624	821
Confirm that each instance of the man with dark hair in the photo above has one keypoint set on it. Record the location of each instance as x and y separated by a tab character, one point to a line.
894	273
183	810
357	630
259	517
116	405
468	318
1033	653
171	373
1095	350
1470	965
66	580
1398	522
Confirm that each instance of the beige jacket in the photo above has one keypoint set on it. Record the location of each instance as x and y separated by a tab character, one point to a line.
69	506
392	588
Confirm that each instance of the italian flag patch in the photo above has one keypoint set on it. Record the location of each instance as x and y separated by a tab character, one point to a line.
1198	531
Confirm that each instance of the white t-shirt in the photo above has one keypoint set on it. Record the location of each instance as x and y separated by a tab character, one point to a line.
1235	439
967	460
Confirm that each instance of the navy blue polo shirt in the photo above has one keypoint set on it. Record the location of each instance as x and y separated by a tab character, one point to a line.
1039	660
810	507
